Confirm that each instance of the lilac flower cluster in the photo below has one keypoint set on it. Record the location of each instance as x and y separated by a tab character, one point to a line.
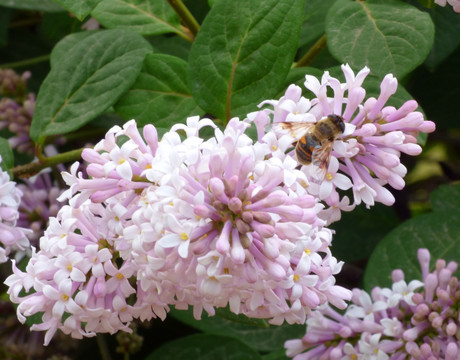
12	84
454	3
12	237
38	204
16	109
366	157
417	321
184	222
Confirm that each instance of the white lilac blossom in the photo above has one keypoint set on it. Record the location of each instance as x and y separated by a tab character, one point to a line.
179	221
454	3
12	237
419	323
366	157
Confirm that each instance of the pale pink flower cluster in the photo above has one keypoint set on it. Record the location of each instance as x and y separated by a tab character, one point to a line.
366	157
12	237
182	221
454	3
416	321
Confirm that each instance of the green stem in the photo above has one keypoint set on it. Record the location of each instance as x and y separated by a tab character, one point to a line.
33	168
311	54
27	62
186	16
103	348
25	22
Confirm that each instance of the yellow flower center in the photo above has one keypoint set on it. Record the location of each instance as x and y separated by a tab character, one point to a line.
120	276
329	176
64	297
183	236
296	277
307	251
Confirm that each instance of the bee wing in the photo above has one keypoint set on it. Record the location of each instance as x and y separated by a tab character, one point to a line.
320	158
295	129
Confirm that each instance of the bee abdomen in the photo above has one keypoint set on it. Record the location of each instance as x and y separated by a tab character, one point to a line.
305	147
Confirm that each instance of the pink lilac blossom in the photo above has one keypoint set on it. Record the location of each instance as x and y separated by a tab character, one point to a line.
417	321
366	157
12	237
179	221
454	3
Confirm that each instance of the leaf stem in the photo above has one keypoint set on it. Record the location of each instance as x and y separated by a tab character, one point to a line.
34	167
103	348
312	52
27	62
186	16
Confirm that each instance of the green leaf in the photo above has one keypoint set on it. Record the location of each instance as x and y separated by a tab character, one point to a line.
160	94
349	231
446	198
42	5
243	53
438	231
80	8
146	17
87	80
55	26
171	45
204	347
388	36
314	20
7	161
447	34
259	337
62	48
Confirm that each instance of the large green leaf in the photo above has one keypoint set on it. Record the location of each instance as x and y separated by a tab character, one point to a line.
314	20
62	48
160	94
253	332
446	198
80	8
447	34
438	231
86	80
389	36
147	17
243	53
42	5
374	222
204	347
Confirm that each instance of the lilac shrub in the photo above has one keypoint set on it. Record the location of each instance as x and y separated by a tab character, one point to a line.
211	223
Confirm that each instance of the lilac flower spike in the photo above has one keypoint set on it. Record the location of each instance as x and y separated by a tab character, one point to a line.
179	221
12	237
420	323
366	156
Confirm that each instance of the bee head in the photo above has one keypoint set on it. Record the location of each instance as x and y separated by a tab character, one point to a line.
338	122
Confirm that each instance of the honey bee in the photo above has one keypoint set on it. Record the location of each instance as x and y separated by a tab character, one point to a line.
314	141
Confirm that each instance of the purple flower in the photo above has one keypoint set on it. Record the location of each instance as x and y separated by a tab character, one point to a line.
389	324
37	205
12	237
184	222
365	157
454	3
